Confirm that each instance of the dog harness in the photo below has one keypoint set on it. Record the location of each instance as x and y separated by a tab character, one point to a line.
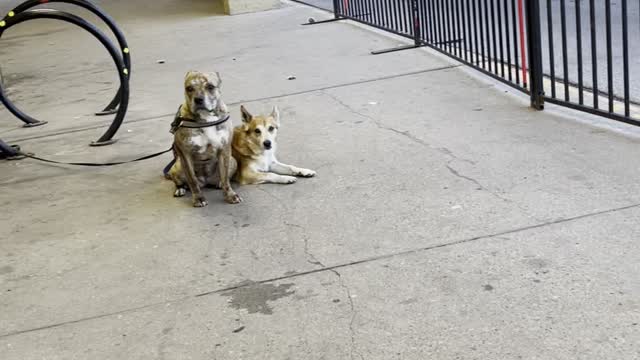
181	122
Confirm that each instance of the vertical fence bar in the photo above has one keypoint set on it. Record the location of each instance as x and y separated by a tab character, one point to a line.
522	43
534	41
393	16
452	24
493	36
579	48
594	53
376	12
449	40
625	57
432	33
500	40
365	8
405	16
440	23
487	32
423	21
431	19
552	63
609	54
408	11
565	60
507	39
459	35
424	32
442	14
437	13
475	34
515	40
464	6
415	17
357	9
400	16
481	33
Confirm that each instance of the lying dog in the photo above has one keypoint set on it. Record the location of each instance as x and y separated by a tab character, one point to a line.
254	147
202	141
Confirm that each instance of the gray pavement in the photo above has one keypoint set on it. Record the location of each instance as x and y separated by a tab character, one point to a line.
447	219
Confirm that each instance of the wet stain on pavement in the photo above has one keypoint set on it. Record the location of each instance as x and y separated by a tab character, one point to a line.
5	270
255	297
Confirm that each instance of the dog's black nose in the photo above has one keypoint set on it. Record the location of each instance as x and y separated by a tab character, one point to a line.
267	144
198	101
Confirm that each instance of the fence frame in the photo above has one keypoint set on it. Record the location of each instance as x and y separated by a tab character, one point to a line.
440	31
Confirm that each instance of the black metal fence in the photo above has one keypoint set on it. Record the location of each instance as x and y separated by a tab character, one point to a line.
574	53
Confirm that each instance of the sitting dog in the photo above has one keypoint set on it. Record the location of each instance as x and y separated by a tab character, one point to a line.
254	147
202	141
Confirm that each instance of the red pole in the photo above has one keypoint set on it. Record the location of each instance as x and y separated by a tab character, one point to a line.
345	4
522	46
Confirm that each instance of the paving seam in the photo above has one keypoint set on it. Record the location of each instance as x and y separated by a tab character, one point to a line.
327	269
156	117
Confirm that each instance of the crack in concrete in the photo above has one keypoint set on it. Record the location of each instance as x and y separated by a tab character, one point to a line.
405	133
352	331
484	188
312	259
442	150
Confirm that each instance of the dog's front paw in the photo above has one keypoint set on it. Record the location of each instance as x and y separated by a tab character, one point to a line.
199	202
306	173
233	198
180	192
289	179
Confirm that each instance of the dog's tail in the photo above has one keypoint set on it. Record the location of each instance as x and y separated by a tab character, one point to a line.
167	168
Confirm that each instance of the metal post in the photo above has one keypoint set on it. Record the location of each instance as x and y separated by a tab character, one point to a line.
336	15
417	39
535	54
8	151
416	23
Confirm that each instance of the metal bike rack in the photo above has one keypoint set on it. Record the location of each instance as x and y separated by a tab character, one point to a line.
120	55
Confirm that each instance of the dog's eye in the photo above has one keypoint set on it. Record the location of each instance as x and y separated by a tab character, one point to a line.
189	89
271	128
210	87
257	131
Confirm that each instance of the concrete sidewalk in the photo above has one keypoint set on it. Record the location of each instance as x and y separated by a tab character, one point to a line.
447	220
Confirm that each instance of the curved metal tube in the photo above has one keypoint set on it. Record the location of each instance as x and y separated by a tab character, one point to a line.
124	48
123	71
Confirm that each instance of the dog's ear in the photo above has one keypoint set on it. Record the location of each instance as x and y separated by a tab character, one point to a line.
219	79
246	115
275	114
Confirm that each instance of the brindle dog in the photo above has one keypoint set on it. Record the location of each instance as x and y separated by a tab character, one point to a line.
202	141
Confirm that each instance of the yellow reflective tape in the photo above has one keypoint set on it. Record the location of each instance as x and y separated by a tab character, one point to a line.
2	23
125	50
125	71
11	13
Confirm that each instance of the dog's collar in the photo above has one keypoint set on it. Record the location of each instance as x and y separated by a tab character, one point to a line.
181	122
190	124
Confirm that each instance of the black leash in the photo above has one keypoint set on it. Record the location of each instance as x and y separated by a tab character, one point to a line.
178	122
31	156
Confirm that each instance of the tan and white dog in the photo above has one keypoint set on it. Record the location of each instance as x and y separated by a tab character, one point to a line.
254	148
